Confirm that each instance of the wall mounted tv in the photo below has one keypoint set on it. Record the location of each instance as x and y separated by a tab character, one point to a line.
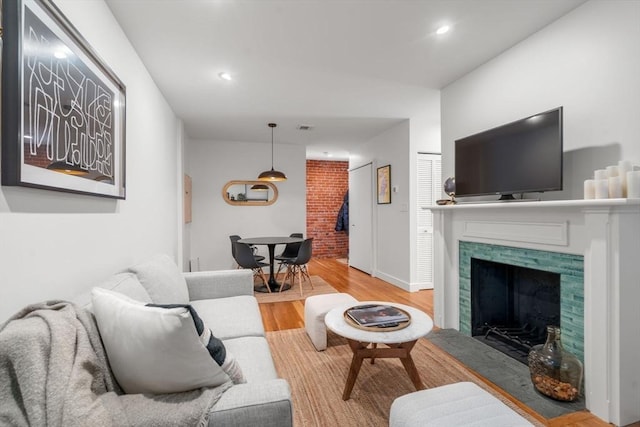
524	156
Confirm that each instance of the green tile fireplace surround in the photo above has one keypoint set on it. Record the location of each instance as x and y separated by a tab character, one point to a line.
571	270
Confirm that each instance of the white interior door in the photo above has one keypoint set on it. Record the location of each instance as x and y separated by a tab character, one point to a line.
429	190
360	218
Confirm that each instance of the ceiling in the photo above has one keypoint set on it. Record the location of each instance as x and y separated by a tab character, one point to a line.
349	68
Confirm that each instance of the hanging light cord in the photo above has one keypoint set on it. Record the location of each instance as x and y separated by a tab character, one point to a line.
272	147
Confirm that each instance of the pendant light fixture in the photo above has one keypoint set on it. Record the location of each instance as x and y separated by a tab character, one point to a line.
272	175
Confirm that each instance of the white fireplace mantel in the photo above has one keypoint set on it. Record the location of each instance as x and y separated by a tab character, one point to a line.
607	234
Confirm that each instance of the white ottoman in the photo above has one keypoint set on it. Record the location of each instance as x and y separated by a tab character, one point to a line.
315	308
459	404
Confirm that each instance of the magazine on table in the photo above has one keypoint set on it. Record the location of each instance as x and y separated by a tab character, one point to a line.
377	315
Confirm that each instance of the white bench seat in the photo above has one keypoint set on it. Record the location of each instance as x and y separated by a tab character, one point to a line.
460	404
315	308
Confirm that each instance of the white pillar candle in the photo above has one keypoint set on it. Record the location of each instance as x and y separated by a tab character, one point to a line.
602	188
633	184
589	189
601	174
624	166
615	187
612	171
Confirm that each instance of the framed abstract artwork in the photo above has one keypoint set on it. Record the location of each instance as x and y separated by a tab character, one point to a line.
384	185
63	108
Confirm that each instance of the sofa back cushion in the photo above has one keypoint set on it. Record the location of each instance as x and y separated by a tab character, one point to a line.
123	283
164	283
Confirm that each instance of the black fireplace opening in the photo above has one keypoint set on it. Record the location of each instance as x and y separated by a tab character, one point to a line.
511	306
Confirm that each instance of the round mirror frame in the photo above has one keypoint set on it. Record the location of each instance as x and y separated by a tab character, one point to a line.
225	194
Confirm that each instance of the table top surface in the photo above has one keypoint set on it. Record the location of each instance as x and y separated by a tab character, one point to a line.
270	240
421	324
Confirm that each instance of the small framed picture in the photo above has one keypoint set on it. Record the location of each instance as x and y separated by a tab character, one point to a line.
63	108
384	185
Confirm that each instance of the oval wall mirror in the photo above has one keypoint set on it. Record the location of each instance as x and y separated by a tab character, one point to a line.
250	193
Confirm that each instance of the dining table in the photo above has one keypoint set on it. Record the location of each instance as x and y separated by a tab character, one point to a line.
271	243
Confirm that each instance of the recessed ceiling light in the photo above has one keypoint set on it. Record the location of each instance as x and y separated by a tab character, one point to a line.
443	30
225	76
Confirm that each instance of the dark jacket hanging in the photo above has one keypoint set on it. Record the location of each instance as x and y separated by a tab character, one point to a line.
342	224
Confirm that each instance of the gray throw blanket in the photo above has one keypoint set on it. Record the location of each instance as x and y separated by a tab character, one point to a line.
54	372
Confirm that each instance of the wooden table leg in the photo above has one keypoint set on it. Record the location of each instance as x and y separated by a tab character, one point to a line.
373	358
361	351
410	366
354	369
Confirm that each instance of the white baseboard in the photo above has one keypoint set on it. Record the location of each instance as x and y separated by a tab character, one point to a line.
393	280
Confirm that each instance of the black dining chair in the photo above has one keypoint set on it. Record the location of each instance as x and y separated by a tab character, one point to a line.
298	265
290	251
245	259
234	238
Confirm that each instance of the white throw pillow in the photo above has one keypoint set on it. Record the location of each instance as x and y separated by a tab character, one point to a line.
157	349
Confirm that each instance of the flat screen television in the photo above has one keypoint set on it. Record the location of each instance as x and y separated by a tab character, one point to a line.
524	156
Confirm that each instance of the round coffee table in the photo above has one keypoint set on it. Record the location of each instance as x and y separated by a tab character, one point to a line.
399	343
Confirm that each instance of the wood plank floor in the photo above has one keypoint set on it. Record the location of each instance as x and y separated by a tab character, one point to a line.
290	315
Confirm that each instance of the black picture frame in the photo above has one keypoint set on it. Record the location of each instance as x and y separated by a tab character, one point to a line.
63	108
383	185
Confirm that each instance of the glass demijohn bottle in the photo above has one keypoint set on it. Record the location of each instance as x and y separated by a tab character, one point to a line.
555	372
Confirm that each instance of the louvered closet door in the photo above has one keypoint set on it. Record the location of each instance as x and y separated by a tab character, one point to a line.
429	190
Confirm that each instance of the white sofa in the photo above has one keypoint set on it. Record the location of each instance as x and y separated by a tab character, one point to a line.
225	302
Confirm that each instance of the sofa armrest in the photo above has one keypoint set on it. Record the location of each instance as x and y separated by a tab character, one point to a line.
264	403
219	284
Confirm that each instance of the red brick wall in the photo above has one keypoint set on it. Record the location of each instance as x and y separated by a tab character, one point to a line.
327	183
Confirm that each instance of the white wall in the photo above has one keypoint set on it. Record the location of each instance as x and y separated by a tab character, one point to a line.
589	62
394	225
425	138
56	244
391	221
211	165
